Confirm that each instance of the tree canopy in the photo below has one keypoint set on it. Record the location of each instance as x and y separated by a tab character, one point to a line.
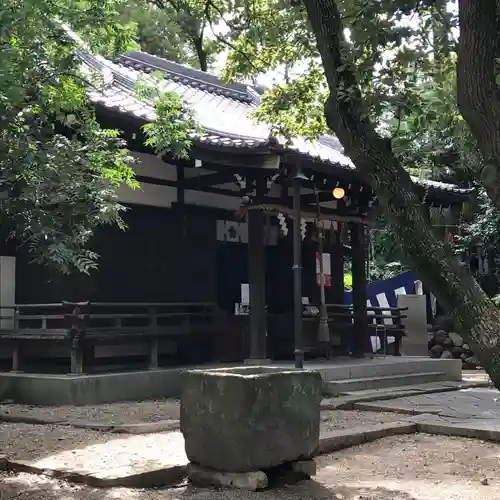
59	169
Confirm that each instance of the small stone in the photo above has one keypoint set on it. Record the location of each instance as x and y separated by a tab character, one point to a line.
472	361
457	351
466	347
304	467
447	355
457	339
447	342
443	323
338	496
485	481
250	481
437	350
440	337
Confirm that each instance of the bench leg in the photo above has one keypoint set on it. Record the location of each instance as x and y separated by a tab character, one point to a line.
397	345
153	353
77	359
15	357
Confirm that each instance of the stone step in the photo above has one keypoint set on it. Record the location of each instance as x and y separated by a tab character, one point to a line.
348	400
338	387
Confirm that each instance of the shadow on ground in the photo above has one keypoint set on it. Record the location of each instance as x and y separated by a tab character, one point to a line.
29	487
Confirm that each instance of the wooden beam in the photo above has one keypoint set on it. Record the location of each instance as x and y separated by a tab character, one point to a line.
245	158
308	215
208	180
170	183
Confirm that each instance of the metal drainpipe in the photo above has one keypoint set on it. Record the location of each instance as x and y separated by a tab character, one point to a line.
297	271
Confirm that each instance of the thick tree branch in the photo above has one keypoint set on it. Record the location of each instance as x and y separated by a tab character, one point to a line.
478	93
432	261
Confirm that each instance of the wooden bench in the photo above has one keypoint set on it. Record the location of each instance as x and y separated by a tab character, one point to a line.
83	326
383	322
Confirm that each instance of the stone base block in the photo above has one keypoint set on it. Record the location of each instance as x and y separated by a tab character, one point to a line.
257	362
304	468
251	481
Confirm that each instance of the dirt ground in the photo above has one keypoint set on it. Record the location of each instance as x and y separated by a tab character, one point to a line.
116	413
413	467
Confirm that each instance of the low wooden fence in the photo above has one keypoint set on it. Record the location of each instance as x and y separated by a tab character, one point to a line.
80	325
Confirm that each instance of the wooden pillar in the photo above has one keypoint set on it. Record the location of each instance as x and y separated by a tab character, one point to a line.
257	284
359	282
183	254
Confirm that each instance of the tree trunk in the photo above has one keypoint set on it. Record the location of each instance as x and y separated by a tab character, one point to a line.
477	89
201	53
475	315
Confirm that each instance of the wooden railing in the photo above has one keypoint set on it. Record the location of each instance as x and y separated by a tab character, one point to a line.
91	323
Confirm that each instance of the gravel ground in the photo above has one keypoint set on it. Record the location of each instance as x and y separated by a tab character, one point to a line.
414	467
343	419
116	413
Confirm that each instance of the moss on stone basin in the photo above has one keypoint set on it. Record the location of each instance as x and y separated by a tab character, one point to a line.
250	418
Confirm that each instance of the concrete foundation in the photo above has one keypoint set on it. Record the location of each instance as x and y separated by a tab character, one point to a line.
50	389
416	341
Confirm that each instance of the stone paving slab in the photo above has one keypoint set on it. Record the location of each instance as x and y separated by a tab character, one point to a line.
487	430
472	403
138	461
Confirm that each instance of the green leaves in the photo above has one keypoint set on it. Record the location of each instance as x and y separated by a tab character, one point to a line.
296	108
174	125
59	168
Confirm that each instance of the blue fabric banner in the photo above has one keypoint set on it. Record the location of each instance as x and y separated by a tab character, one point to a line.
377	290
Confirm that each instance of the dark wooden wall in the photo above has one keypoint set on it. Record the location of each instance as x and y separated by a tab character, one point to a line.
155	259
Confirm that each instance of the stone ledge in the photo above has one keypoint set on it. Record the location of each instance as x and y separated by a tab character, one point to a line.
338	440
250	481
166	476
140	428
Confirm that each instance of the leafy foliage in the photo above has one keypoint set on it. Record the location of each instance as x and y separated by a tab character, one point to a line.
58	168
386	255
175	124
482	232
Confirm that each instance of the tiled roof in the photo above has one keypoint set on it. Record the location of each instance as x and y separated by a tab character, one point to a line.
221	109
441	186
